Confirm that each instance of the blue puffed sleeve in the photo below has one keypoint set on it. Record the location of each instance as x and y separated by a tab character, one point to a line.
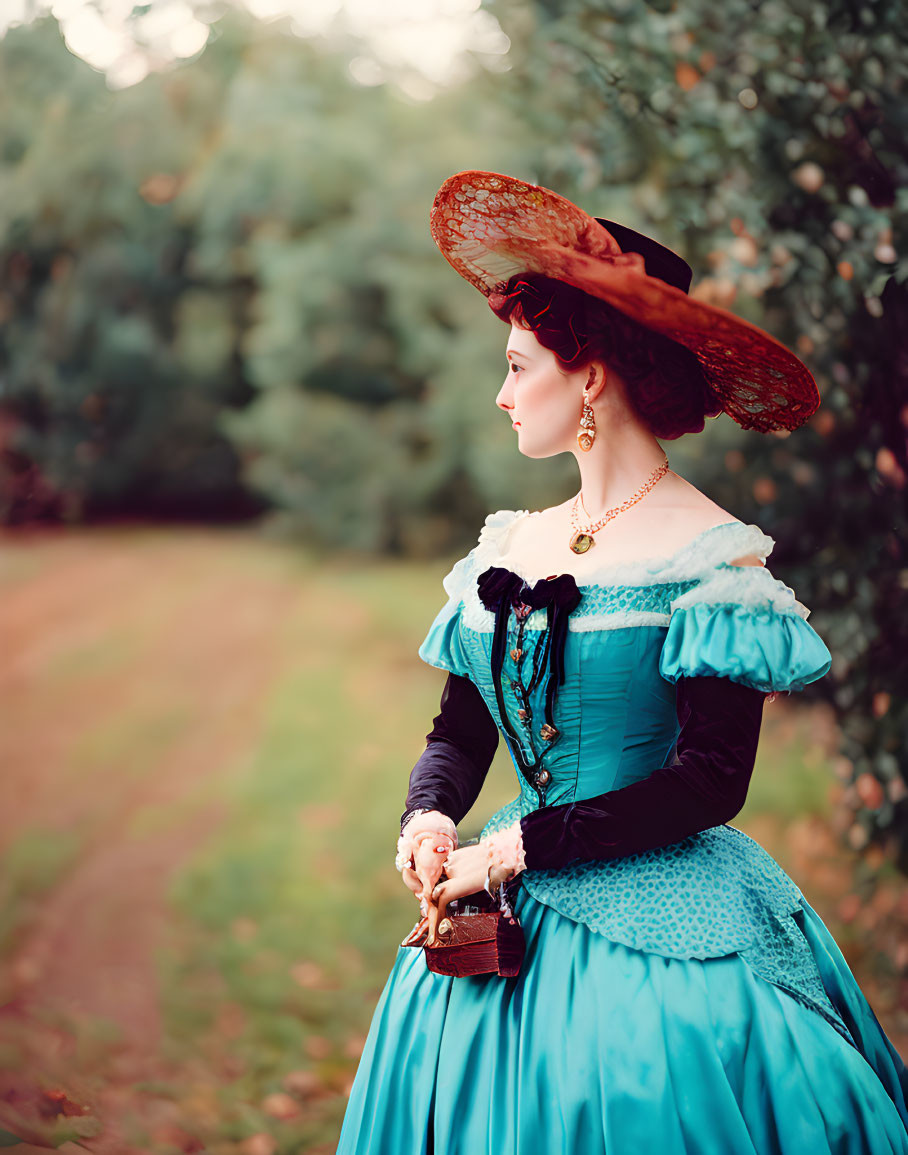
443	645
742	623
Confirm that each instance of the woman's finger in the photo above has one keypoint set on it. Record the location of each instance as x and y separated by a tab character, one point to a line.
453	888
433	923
428	876
412	879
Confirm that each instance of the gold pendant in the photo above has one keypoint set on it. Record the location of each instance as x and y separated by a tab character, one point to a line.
581	542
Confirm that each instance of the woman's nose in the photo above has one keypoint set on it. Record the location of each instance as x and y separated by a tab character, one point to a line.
505	398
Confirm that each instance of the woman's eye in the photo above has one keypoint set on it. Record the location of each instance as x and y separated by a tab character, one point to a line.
514	367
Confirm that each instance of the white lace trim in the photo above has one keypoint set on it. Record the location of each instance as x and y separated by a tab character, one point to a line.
697	559
720	543
745	586
476	617
617	620
458	579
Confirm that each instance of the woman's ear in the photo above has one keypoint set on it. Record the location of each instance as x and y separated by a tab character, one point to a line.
596	379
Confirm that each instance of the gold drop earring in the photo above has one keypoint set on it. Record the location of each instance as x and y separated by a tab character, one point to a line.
586	435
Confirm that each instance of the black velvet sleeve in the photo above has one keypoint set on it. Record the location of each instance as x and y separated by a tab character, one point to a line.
704	786
459	751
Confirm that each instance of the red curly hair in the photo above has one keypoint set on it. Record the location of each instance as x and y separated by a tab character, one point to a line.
665	382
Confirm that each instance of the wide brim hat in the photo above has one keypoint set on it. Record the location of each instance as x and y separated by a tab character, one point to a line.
490	227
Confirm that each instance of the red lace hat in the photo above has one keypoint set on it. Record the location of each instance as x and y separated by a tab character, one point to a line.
489	226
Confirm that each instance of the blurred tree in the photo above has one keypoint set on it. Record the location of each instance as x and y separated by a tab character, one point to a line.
224	275
104	409
768	144
374	364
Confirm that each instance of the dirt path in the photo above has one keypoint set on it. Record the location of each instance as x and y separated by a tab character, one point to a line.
85	952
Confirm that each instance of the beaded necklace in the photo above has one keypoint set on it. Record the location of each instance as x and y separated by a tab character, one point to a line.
582	537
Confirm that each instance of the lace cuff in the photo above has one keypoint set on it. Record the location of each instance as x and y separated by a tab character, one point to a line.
422	822
506	848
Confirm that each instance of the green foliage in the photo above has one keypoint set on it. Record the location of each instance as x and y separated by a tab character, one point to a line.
106	405
767	144
375	374
227	269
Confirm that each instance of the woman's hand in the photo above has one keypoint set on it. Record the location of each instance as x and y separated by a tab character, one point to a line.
428	866
466	874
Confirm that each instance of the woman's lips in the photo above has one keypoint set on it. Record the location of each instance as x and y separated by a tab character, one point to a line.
515	424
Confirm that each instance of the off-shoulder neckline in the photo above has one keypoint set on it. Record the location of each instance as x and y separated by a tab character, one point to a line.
753	540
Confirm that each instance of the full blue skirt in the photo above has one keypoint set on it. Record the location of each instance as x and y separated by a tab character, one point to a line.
598	1048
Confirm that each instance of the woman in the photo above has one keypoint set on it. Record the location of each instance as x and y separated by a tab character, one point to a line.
677	993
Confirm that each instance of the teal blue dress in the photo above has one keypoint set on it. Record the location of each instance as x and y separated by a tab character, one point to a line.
681	1000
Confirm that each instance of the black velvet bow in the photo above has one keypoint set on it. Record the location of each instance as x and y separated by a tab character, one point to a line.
497	585
499	589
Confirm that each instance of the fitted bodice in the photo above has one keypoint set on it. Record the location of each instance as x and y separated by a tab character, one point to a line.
614	715
632	631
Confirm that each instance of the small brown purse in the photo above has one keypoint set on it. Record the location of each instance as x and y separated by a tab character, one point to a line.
479	935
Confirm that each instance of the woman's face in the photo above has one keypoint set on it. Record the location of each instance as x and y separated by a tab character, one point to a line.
542	401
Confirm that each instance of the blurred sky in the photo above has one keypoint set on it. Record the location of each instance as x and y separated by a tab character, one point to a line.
419	44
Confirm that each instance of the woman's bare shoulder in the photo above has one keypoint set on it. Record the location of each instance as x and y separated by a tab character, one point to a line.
698	519
693	513
703	513
686	511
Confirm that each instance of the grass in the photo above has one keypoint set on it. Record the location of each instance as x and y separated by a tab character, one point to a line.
294	911
32	864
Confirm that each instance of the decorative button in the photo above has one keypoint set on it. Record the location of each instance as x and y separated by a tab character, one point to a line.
516	655
548	733
524	715
543	777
